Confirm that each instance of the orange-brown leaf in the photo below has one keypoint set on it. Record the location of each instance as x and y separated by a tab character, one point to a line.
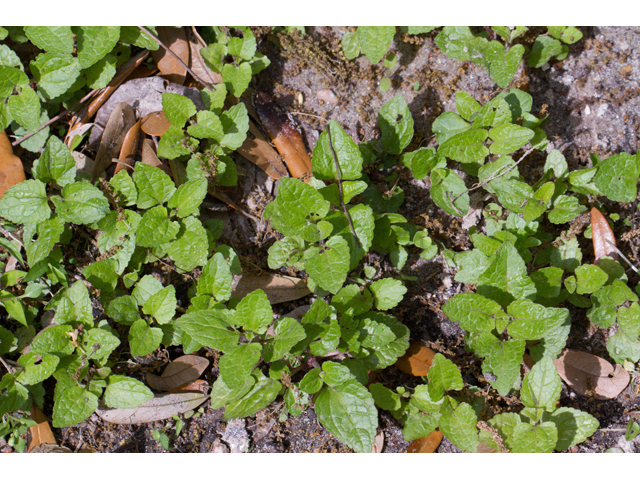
601	233
196	62
155	123
176	40
417	360
11	169
181	371
278	288
149	156
196	386
427	444
129	147
41	433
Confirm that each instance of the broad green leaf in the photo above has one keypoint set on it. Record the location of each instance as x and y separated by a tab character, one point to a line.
350	45
387	293
617	177
210	328
385	398
567	255
13	396
174	144
144	339
155	228
334	374
98	343
466	147
459	427
537	205
74	405
503	64
288	332
55	164
499	168
466	106
396	124
542	50
25	203
503	361
541	386
474	312
509	138
154	186
349	413
209	126
36	370
49	233
236	79
589	278
419	425
495	113
555	161
54	340
347	154
420	161
75	306
216	279
375	41
191	247
548	281
51	39
221	394
134	36
124	310
177	108
254	312
55	73
541	438
510	33
629	320
8	341
244	48
443	376
621	347
161	305
532	321
447	185
25	109
102	275
449	124
145	288
125	392
573	426
565	209
94	43
352	298
125	188
81	203
454	41
312	383
329	268
237	364
10	78
264	391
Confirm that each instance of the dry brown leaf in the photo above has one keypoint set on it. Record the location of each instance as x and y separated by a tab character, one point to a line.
279	289
48	448
182	370
260	152
196	63
129	148
601	232
284	134
11	169
120	122
163	406
41	433
201	386
149	156
176	40
155	123
378	443
427	444
589	374
417	360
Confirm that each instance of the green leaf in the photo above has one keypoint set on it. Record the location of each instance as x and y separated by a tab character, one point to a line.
244	48
25	109
144	339
573	426
216	279
221	394
375	41
125	392
334	374
419	425
254	312
388	292
25	203
503	64
329	268
503	361
567	256
94	43
447	185
548	281
123	310
235	123
590	278
617	177
55	164
459	427
237	364
146	287
347	154
532	321
540	438
509	138
161	305
385	398
49	233
74	405
75	306
312	383
541	386
81	203
539	203
177	108
396	124
154	186
495	113
55	73
264	391
35	373
208	126
288	332
51	39
565	209
542	50
466	147
210	328
351	298
155	228
10	78
449	124
55	340
443	376
236	79
134	36
8	341
102	275
466	106
124	188
350	45
621	347
474	312
213	56
349	413
99	343
174	144
191	247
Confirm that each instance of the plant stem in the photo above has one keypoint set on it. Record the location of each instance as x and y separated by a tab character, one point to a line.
339	176
623	256
57	117
193	74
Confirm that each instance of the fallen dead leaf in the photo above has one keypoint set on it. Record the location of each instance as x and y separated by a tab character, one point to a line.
155	123
378	443
195	386
601	232
427	444
260	152
129	147
41	433
149	156
182	370
120	122
163	406
11	169
589	374
417	360
48	448
196	62
176	40
279	289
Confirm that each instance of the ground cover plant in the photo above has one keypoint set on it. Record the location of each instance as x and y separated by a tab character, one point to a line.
118	264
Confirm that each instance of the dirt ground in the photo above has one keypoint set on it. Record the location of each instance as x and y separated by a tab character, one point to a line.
593	98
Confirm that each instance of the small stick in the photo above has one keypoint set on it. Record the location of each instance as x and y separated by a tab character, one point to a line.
56	118
309	115
622	255
193	74
9	369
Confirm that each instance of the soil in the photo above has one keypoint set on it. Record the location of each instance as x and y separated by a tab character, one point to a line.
593	99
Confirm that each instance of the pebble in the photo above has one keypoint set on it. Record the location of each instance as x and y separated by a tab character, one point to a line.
328	96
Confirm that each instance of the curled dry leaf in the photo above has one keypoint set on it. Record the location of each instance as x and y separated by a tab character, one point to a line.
155	123
196	63
120	122
196	386
176	40
378	443
601	232
182	370
279	289
589	374
149	156
285	135
11	169
260	152
41	433
129	147
163	406
427	444
417	360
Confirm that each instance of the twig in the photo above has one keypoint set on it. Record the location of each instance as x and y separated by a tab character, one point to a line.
493	177
56	118
339	176
193	74
8	234
9	369
309	115
622	255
